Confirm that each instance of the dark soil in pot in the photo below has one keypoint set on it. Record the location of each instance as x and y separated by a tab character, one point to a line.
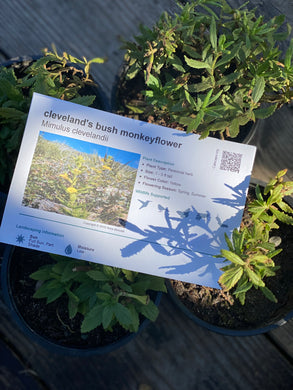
126	92
51	321
221	309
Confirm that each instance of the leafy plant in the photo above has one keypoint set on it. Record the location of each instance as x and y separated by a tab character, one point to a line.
103	295
211	68
61	76
252	249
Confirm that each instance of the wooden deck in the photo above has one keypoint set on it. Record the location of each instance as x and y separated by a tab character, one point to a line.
172	353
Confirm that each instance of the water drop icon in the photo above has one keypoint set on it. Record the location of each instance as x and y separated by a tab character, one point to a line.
68	249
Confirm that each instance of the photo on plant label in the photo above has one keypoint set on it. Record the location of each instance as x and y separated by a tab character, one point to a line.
81	179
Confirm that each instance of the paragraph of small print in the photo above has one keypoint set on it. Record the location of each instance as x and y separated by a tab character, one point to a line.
231	161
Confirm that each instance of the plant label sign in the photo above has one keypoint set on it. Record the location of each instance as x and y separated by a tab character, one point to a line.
101	187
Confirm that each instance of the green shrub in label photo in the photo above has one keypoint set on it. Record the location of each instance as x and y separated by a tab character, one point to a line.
81	179
210	69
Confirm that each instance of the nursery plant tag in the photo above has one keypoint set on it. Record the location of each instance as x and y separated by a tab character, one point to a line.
100	187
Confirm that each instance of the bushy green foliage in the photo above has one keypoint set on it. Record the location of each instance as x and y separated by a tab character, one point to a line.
211	67
104	295
252	248
52	74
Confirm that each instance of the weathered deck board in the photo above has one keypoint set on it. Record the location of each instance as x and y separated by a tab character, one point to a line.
172	353
283	337
169	354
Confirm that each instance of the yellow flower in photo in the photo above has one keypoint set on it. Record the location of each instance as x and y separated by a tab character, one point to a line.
71	190
76	171
106	167
66	177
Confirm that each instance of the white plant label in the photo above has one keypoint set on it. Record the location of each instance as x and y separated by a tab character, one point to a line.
101	187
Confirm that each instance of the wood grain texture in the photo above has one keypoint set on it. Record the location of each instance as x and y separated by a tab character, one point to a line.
283	337
14	375
170	354
92	29
173	353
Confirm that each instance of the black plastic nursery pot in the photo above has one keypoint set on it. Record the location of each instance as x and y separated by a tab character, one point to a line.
219	312
86	344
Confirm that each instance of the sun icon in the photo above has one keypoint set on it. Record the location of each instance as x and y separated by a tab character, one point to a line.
20	238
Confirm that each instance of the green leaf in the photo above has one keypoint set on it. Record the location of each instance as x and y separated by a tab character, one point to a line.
269	294
281	216
153	81
150	311
99	276
104	296
258	89
177	64
231	256
207	83
207	99
109	271
134	109
196	64
285	207
288	56
243	288
67	273
234	128
253	277
260	259
134	318
11	114
84	100
228	57
228	79
107	316
51	290
191	51
230	277
258	193
213	33
129	275
96	60
241	297
43	273
92	319
72	305
229	243
122	314
144	299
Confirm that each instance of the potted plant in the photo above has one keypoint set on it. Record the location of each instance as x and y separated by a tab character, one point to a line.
61	76
255	288
211	70
85	307
74	306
